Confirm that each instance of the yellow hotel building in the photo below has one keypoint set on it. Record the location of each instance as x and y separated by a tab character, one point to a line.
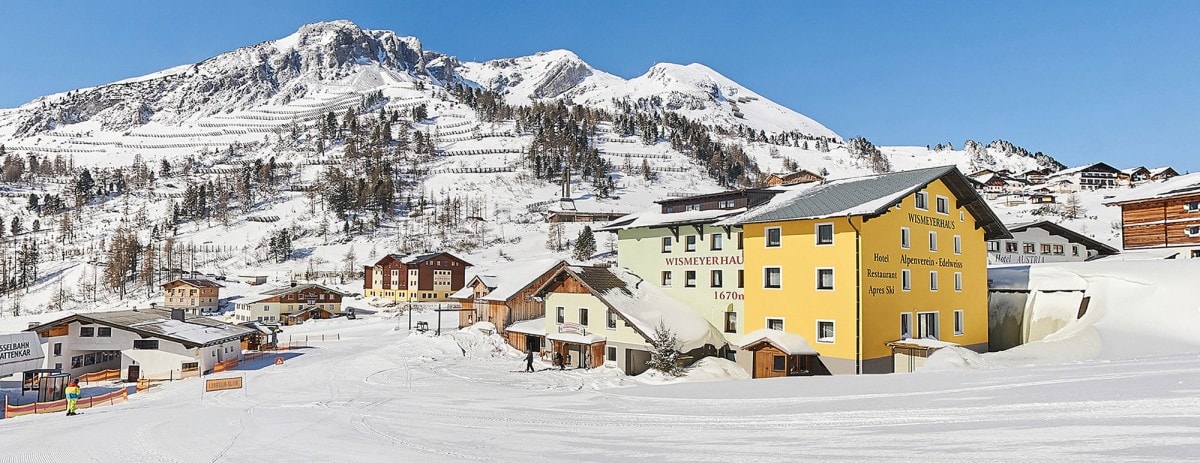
874	272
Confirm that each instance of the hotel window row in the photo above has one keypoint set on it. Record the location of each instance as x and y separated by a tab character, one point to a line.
906	280
1011	247
716	278
690	242
826	329
927	324
906	241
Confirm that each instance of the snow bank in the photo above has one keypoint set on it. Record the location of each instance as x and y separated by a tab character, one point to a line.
705	369
1136	309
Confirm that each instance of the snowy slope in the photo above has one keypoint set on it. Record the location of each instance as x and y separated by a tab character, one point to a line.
255	97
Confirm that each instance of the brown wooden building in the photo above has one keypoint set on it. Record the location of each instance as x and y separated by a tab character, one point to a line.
415	277
506	296
794	178
779	353
734	199
194	295
1163	215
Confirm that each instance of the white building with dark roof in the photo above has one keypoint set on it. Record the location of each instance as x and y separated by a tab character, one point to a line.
142	343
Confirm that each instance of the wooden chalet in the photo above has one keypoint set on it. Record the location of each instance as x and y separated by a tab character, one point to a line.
1162	173
1089	177
282	305
734	199
1133	176
794	178
779	353
1162	215
506	296
598	315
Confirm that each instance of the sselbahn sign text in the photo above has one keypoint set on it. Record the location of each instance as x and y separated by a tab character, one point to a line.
222	384
16	350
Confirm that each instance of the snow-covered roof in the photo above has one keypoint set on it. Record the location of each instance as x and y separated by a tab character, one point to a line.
1075	170
868	195
1160	170
1133	170
192	331
645	306
517	276
576	338
789	343
921	343
656	218
536	326
1175	186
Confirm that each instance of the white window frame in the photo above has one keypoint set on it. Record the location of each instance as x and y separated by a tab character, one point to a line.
958	282
832	276
923	197
938	200
905	238
613	351
817	234
767	237
960	322
906	325
766	279
937	329
829	340
933	247
782	325
933	281
1192	231
610	320
958	245
905	280
1192	206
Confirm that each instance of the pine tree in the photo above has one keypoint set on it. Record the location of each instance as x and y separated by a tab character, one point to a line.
664	353
585	244
85	186
647	173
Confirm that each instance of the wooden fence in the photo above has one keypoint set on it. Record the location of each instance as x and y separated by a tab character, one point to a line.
106	375
58	406
226	365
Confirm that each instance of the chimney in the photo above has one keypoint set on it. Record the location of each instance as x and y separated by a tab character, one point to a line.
177	314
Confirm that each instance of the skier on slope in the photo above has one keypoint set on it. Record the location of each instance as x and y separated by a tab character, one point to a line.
73	394
529	362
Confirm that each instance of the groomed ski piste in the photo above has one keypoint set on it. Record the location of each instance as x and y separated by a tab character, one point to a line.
1122	383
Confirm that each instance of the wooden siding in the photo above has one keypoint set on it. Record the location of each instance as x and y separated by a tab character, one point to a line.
764	361
1160	223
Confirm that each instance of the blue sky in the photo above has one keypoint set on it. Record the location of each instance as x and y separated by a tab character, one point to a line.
1082	81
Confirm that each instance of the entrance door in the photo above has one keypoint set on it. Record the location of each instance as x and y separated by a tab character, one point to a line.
533	343
134	373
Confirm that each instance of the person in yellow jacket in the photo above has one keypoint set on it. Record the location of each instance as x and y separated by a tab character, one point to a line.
73	395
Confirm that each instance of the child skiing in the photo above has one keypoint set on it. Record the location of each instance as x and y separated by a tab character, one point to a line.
73	394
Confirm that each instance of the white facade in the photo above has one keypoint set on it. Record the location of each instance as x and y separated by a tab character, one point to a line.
87	348
1036	246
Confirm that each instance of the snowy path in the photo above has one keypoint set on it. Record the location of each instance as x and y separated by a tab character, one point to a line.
379	394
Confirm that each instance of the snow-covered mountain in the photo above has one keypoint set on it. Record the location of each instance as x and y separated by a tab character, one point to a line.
694	90
260	105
